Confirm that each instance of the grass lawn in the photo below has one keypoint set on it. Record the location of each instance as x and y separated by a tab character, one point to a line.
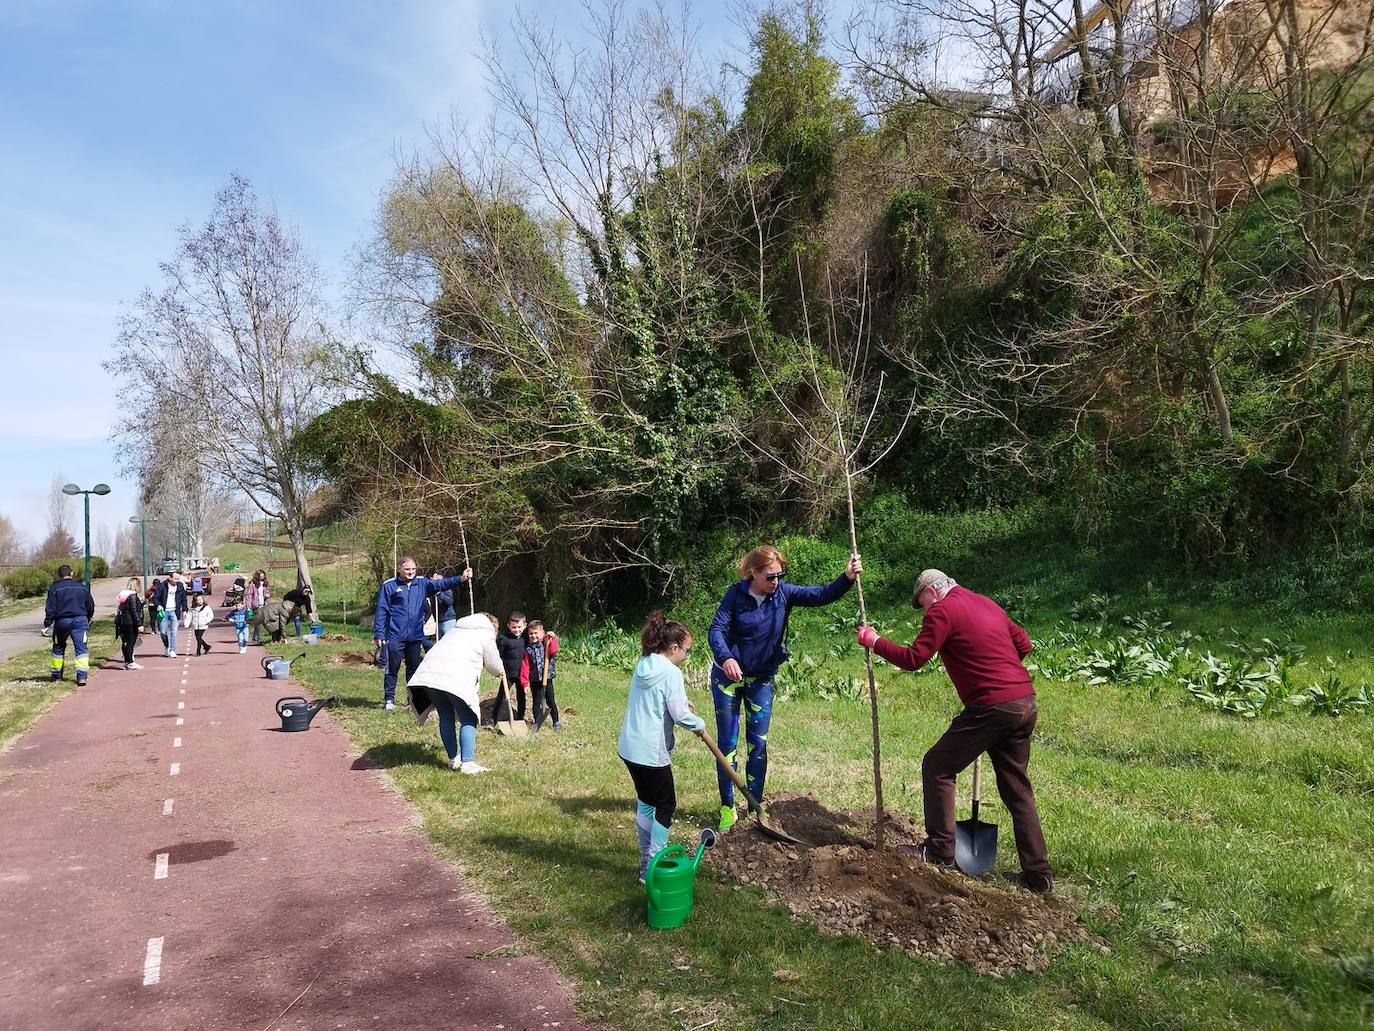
1226	862
25	690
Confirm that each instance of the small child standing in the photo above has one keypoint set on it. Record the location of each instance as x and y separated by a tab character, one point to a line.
537	672
657	701
239	617
198	619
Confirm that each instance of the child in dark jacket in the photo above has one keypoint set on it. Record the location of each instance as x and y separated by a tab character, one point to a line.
510	642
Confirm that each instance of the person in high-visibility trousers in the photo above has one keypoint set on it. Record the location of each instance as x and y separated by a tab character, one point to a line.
68	614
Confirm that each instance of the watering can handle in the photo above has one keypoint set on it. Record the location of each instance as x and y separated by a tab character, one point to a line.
292	699
667	851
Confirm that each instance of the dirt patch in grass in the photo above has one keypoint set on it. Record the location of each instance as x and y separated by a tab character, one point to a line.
350	658
893	899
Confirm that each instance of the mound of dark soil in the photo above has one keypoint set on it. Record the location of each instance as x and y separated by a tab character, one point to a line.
894	899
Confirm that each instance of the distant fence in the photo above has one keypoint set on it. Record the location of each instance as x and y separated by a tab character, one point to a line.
263	542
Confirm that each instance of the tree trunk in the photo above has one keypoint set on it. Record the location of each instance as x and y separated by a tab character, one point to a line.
295	533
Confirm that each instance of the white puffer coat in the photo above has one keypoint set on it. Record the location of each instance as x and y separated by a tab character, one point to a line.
455	664
199	618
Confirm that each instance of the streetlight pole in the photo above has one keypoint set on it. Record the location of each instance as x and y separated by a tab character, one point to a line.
181	552
72	490
143	522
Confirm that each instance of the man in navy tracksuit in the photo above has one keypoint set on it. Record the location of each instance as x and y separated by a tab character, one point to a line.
69	612
399	622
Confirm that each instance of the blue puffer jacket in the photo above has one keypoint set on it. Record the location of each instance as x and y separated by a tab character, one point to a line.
400	614
68	599
752	633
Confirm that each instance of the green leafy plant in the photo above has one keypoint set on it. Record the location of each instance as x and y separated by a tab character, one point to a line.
1242	687
1333	696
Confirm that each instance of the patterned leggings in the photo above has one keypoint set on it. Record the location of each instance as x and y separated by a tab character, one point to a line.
756	697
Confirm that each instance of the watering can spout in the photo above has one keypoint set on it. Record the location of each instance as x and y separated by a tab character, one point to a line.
707	840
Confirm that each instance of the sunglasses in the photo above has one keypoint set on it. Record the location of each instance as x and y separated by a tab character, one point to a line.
773	578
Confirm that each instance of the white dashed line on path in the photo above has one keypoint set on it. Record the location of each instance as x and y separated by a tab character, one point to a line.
160	869
180	720
176	769
176	742
183	680
152	962
183	690
167	807
181	705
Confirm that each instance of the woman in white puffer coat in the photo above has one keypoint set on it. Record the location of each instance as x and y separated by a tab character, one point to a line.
446	683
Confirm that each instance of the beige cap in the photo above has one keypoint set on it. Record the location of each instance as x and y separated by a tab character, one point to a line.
929	578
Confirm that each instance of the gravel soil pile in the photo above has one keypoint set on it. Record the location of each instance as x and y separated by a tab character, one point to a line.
891	898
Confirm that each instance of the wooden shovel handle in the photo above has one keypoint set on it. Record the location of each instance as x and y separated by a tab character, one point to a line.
725	765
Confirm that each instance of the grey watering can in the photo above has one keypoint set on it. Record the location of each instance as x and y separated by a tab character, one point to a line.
296	712
276	668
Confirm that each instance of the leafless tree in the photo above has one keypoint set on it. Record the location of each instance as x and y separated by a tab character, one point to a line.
13	548
59	505
228	344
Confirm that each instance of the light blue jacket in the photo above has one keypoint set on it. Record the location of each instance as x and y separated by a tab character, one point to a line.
657	702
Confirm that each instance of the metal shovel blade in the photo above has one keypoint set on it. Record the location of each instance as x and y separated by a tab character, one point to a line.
769	830
975	842
975	846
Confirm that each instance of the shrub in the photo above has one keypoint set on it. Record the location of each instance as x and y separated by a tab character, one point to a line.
27	582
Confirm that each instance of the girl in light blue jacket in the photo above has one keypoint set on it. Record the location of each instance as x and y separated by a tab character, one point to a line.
657	702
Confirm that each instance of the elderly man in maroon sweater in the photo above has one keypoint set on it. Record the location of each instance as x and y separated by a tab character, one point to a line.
982	648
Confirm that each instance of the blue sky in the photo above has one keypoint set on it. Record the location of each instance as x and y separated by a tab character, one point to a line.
121	118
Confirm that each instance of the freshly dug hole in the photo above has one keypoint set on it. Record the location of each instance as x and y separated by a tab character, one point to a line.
893	899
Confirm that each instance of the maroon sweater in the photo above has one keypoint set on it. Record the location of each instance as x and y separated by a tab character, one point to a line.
978	642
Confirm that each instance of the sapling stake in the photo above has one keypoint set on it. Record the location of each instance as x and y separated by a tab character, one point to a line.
463	536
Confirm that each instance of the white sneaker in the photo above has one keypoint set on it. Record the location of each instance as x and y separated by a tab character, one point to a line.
242	650
389	706
456	763
471	769
171	654
132	665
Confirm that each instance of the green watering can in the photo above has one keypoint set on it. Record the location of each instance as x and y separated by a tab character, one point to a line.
670	882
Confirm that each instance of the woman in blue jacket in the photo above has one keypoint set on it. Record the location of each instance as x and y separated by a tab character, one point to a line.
747	640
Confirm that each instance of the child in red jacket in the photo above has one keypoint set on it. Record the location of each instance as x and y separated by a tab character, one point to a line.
537	671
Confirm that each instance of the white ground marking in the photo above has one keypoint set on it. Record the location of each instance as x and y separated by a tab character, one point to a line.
183	690
180	720
176	768
152	962
181	705
183	680
160	870
176	742
167	807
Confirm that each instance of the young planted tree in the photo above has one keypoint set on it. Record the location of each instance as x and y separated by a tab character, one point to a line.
833	397
228	346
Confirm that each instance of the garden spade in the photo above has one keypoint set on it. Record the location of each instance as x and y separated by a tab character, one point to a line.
975	842
754	807
510	727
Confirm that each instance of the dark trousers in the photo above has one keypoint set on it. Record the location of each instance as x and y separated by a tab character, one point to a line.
541	695
503	702
412	652
127	640
201	646
654	787
1003	732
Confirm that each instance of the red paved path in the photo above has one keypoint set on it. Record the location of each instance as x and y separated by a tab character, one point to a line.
288	870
